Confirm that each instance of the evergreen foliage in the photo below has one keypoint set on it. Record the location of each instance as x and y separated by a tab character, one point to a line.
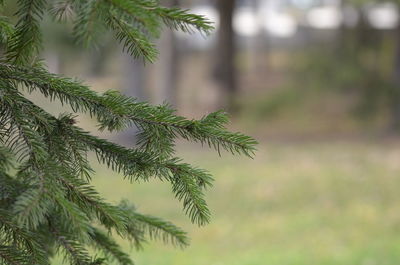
47	204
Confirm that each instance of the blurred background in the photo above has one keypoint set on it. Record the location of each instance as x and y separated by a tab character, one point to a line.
316	82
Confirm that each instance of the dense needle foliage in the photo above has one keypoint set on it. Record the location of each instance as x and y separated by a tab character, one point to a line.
47	204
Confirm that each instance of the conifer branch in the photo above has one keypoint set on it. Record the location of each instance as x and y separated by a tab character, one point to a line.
6	158
176	18
11	255
78	222
109	247
89	22
154	227
68	151
187	191
116	112
179	19
186	181
9	188
31	207
26	41
133	41
21	239
77	254
21	136
47	202
90	201
62	10
135	164
134	13
6	29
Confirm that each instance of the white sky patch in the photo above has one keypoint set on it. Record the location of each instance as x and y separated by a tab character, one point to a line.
324	17
383	16
245	22
198	40
280	24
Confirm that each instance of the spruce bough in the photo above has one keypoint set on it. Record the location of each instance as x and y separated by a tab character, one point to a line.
47	203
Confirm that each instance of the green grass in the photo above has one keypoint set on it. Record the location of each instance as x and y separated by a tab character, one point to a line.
297	203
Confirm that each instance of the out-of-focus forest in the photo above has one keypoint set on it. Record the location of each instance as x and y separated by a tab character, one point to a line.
317	82
285	68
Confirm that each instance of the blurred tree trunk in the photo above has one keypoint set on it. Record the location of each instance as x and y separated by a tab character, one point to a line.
99	57
368	44
133	85
169	59
53	61
258	46
225	71
395	123
134	78
98	60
